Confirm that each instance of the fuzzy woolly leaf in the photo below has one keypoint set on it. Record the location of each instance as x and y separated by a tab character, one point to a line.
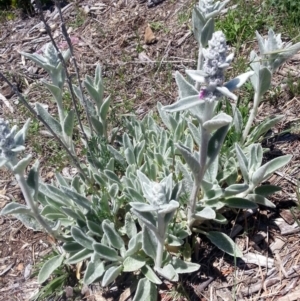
150	275
182	267
184	87
240	203
111	274
149	242
15	208
49	267
69	123
106	252
207	32
80	256
261	200
146	291
113	236
184	104
266	190
82	238
93	271
224	243
133	263
217	122
168	272
130	226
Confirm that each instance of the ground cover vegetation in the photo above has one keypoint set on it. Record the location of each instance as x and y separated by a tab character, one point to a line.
148	187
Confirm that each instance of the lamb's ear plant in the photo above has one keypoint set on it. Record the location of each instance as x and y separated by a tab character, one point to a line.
162	184
272	54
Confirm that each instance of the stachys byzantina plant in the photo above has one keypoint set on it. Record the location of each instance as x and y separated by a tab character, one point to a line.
162	184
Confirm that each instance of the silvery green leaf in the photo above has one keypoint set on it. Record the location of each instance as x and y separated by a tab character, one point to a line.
98	126
29	222
240	203
54	193
112	176
104	108
238	81
92	92
220	219
168	272
196	133
129	155
77	198
72	246
275	164
164	116
187	181
69	123
117	155
130	226
235	189
149	242
263	128
52	213
83	239
18	149
33	178
237	119
52	123
168	208
197	75
106	252
284	55
198	21
224	243
261	42
80	256
223	90
243	163
264	83
207	31
266	190
173	240
38	59
3	161
15	208
261	200
113	236
49	267
111	274
95	228
127	144
150	275
22	165
182	267
205	214
73	213
55	91
113	190
217	122
60	179
190	159
139	152
184	87
143	207
215	143
133	263
93	271
134	245
136	196
66	54
146	291
184	104
255	158
21	134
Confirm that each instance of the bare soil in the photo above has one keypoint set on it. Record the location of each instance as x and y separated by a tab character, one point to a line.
138	75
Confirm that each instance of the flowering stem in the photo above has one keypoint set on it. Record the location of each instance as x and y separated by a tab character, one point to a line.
199	64
257	99
160	235
198	180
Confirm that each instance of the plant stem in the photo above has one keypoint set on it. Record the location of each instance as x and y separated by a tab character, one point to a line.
199	63
257	98
160	235
199	178
31	203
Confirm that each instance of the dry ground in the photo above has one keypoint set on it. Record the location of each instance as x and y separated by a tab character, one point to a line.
138	75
